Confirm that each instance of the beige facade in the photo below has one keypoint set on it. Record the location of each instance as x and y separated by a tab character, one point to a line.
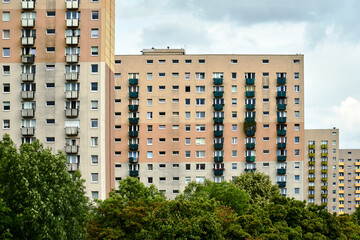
180	117
57	64
349	180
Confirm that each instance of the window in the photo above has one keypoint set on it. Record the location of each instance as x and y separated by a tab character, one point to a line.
201	60
297	165
6	106
233	75
266	151
94	177
296	114
94	51
265	61
161	113
296	101
149	167
234	153
6	87
94	195
94	33
296	75
265	74
50	103
188	61
234	101
297	88
233	61
50	139
6	34
200	141
50	121
266	138
297	127
161	74
50	13
6	124
234	88
297	178
200	154
149	76
187	115
234	114
6	16
149	61
175	75
175	61
94	68
296	61
94	105
150	180
94	15
149	115
94	86
149	128
200	75
149	141
200	115
149	102
6	52
297	190
234	140
50	31
94	141
50	85
187	155
6	1
149	154
187	88
149	89
200	89
187	101
234	166
162	61
187	128
297	139
94	159
6	70
187	141
200	101
187	76
200	166
200	128
266	113
266	125
175	88
297	152
234	127
94	123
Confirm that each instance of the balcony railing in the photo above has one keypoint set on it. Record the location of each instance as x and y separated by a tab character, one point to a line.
250	119
311	171
133	160
323	187
133	133
133	120
324	171
250	133
281	107
27	77
250	107
72	94
71	131
281	94
247	170
133	147
72	40
311	163
281	132
250	146
281	81
281	119
311	187
72	4
218	146
28	5
28	41
250	94
218	133
134	173
133	108
133	81
71	76
133	94
324	154
218	120
281	145
71	149
218	172
249	81
218	159
72	58
250	159
218	94
324	179
311	179
72	167
311	146
71	112
218	81
28	23
27	95
218	107
27	113
323	146
27	131
281	184
72	22
281	158
281	171
28	59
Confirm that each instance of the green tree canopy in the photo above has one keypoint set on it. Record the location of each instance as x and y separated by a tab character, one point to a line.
39	197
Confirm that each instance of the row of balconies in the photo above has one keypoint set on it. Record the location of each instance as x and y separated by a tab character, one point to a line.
26	95
312	171
30	4
70	76
312	146
311	154
312	163
312	179
249	81
69	40
30	23
29	59
322	187
30	131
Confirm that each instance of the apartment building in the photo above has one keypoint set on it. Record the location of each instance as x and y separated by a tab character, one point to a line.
321	175
349	180
179	118
57	63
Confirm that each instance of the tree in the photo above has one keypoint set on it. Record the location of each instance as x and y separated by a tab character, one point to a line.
40	198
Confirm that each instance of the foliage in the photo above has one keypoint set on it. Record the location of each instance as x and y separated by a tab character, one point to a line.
38	197
249	126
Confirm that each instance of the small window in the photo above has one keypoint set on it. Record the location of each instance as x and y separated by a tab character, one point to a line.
6	124
5	16
265	61
50	85
94	177
95	15
265	74
175	61
162	61
50	139
161	87
6	52
175	75
6	34
149	167
175	88
296	61
149	89
6	70
265	87
201	61
94	51
94	86
149	61
266	139
233	61
94	123
6	87
117	61
50	103
161	74
266	164
188	61
149	76
50	13
50	31
266	151
50	49
95	34
233	75
266	125
50	121
94	105
50	67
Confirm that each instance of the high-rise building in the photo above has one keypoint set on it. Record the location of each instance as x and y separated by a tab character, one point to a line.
57	64
181	118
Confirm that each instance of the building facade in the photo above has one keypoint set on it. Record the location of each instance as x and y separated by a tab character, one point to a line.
181	118
57	64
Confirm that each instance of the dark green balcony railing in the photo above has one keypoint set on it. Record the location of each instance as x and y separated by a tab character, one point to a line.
133	81
132	160
281	184
218	133
133	108
133	133
218	159
218	146
250	133
250	107
218	119
281	158
281	132
134	173
250	94
250	146
250	159
281	171
133	94
218	81
281	119
281	81
281	94
218	94
281	145
218	172
249	170
281	107
218	107
133	146
250	119
250	81
133	120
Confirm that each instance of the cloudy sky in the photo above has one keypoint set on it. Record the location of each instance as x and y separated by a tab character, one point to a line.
327	32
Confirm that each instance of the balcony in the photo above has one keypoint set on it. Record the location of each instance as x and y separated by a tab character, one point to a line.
311	196
324	195
324	171
218	159
133	133
281	171
27	95
133	147
250	107
133	120
71	76
311	179
356	163
250	159
133	81
249	81
250	133
72	167
281	81
218	120
28	41
218	172
72	94
247	170
323	187
27	131
133	160
72	58
218	133
72	23
218	107
281	158
71	112
72	40
311	163
71	131
28	5
133	94
281	107
27	77
281	145
250	119
133	108
324	179
311	187
311	146
218	94
281	94
281	184
26	113
218	146
281	119
311	171
311	154
250	94
28	23
324	154
134	173
71	149
250	146
72	4
28	59
218	81
323	146
281	132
